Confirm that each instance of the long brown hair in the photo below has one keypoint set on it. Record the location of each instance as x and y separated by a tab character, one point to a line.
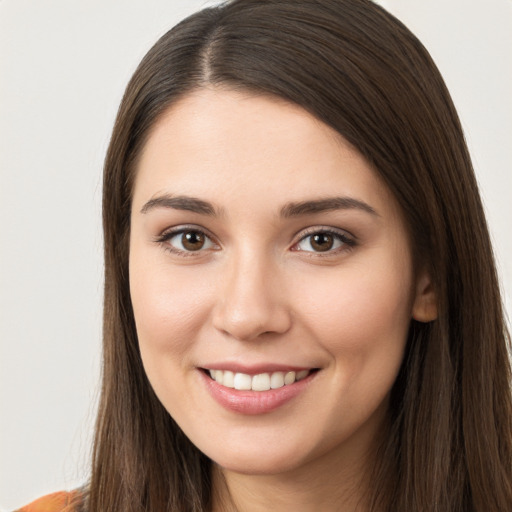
359	70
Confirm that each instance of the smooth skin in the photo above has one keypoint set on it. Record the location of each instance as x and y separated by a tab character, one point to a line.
296	253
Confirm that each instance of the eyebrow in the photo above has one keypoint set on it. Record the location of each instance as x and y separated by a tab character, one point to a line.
293	209
191	204
324	205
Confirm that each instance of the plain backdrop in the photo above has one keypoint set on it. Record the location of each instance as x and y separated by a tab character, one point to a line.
63	67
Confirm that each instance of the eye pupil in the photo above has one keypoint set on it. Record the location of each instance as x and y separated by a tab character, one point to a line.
322	242
192	240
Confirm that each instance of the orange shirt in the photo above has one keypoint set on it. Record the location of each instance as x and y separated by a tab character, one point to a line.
56	502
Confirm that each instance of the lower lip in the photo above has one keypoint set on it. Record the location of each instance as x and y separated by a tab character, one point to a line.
254	402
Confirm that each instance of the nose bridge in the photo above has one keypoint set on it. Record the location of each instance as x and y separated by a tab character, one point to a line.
251	301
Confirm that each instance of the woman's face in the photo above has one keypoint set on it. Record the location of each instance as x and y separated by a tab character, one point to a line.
266	252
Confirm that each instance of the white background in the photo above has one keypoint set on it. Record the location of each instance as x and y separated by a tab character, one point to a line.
63	67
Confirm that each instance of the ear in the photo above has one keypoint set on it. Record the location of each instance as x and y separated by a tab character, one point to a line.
425	302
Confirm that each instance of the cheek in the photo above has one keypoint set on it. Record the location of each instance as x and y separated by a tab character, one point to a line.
170	310
169	307
360	316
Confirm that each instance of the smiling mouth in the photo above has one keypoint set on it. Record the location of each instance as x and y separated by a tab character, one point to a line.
259	382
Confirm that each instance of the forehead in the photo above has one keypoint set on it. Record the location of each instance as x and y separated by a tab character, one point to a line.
226	145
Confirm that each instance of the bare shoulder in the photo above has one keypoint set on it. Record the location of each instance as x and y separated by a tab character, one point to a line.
56	502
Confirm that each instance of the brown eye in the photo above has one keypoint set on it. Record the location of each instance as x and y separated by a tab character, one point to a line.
322	242
186	241
193	240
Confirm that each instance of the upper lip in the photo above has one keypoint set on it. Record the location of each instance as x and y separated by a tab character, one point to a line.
255	369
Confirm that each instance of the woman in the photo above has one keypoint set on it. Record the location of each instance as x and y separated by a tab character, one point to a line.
296	262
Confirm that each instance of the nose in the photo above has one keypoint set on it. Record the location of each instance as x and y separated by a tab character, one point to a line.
251	300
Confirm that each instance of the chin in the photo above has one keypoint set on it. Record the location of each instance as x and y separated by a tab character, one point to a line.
257	464
260	457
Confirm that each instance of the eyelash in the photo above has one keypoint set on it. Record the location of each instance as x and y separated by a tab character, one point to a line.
164	240
347	242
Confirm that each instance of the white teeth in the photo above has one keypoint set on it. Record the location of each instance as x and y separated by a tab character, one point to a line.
228	379
260	382
243	381
289	378
277	380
